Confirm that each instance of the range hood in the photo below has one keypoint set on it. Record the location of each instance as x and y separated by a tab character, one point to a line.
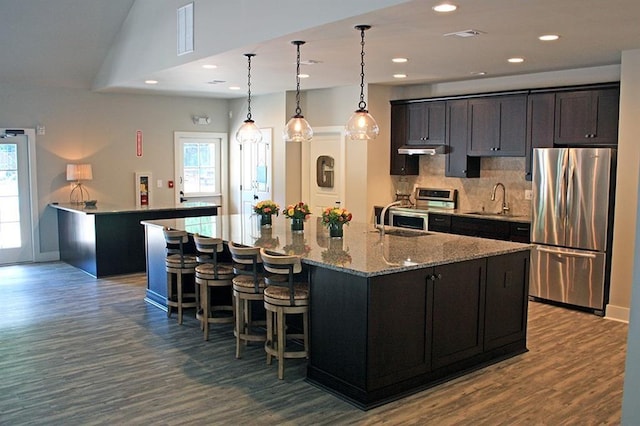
422	149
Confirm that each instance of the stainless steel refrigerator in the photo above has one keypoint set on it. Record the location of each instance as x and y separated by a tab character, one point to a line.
572	225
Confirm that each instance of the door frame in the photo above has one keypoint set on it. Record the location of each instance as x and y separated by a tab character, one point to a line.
33	190
224	163
307	164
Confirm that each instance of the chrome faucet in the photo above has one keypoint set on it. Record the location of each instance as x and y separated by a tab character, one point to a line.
505	208
380	226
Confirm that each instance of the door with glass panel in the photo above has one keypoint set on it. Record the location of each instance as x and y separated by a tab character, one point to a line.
199	158
16	244
255	172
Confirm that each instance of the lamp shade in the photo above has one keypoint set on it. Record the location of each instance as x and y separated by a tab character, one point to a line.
79	172
362	126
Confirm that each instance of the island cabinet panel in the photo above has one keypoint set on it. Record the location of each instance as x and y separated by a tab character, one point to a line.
458	310
587	117
506	300
399	327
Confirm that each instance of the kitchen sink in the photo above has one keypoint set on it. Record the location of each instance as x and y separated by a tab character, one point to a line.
491	214
406	232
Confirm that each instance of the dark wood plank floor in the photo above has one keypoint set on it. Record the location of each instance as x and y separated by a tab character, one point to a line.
80	350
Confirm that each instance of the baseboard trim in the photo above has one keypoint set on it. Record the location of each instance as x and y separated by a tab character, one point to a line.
617	313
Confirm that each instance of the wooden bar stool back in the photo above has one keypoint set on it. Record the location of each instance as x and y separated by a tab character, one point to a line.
248	286
210	272
282	298
178	263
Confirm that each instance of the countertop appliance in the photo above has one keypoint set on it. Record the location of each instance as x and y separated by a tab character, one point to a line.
573	200
426	199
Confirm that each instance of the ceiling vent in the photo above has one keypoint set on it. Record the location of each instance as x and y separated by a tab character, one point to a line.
465	33
216	81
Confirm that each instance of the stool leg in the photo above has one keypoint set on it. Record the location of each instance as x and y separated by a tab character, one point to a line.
269	341
280	326
169	293
179	285
305	330
239	304
205	311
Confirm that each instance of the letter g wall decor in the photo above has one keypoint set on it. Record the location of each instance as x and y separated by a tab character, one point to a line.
324	171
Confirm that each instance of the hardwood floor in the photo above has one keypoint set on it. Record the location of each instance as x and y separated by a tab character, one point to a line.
80	350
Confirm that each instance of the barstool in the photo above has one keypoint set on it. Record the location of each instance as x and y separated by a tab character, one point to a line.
180	264
212	273
248	286
282	298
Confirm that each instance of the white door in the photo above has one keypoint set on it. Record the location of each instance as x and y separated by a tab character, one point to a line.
200	167
16	244
255	172
324	160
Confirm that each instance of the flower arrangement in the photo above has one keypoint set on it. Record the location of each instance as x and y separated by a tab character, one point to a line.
266	207
335	216
297	211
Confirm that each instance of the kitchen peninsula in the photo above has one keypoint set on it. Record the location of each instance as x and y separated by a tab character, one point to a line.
107	239
390	315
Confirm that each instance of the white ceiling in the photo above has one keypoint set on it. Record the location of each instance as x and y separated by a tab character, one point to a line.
64	42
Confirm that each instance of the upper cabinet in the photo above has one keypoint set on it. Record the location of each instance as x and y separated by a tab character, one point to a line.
587	117
401	164
458	163
426	123
540	125
498	126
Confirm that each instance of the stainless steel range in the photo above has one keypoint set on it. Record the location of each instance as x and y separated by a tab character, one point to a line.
426	199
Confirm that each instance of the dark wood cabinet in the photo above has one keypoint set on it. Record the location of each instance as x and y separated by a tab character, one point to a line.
480	227
439	222
401	164
457	321
506	300
520	232
540	125
458	163
426	123
497	126
587	117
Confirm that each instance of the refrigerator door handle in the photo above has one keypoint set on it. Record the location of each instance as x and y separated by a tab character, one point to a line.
562	195
570	184
565	253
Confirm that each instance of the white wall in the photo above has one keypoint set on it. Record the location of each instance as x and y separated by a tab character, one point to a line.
101	129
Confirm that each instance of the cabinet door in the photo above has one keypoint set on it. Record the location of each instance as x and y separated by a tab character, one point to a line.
426	123
587	117
483	228
399	342
540	125
401	164
513	125
439	222
506	300
458	163
484	124
458	308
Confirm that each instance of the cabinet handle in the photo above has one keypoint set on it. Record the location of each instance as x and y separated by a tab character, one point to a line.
434	277
521	229
438	219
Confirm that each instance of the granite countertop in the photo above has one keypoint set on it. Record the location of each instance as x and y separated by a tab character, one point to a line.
361	251
105	208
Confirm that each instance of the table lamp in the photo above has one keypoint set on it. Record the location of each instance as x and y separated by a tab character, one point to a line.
78	173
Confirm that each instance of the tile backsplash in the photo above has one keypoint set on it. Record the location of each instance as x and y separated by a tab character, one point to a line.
475	193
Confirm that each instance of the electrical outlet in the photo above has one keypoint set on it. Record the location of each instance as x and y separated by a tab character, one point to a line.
528	194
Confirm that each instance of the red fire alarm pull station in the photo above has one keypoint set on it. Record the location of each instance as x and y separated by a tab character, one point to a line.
170	184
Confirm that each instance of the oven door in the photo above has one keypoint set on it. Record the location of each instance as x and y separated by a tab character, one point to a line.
412	220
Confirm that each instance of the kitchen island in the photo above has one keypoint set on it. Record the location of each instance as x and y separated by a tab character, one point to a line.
107	239
395	314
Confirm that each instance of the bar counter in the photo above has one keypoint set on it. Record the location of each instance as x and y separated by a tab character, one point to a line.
389	315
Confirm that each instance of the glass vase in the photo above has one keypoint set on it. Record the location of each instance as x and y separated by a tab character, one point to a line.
335	230
265	220
297	225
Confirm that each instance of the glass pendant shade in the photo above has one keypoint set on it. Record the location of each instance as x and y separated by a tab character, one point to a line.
249	133
298	130
362	126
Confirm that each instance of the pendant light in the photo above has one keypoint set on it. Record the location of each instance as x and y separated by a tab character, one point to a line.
298	129
361	125
249	132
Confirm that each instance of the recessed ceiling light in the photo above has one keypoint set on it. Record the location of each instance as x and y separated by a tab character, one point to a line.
234	87
465	33
209	66
399	76
151	81
478	73
445	7
399	60
549	37
303	75
516	60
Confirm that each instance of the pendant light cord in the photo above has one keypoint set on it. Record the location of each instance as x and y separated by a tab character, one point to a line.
362	105
298	110
249	56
